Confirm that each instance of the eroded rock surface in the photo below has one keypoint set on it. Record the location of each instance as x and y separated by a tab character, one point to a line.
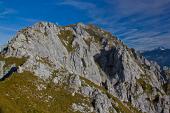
90	52
2	63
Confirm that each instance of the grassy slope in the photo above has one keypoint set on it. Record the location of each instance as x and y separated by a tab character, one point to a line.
19	94
67	37
12	60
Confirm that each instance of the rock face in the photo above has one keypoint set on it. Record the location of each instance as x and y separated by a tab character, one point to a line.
90	52
166	73
2	63
101	102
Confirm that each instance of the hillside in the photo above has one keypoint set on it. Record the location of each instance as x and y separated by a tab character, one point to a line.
78	68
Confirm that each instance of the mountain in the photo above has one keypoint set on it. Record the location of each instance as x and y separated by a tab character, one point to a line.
161	55
78	68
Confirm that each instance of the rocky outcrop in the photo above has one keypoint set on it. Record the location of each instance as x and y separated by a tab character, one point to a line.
101	103
2	63
83	108
90	52
166	86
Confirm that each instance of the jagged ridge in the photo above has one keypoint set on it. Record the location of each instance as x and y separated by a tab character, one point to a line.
92	53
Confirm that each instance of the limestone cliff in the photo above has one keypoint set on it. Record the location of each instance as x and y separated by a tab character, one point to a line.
94	55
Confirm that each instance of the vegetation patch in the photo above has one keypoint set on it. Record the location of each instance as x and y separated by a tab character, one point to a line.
22	93
67	38
13	60
120	107
91	84
133	109
88	41
45	33
145	86
97	37
45	61
98	34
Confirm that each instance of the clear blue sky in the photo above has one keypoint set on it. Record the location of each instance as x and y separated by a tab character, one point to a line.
142	24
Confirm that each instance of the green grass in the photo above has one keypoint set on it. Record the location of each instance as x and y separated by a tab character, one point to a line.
13	60
67	37
45	33
45	61
133	109
97	37
99	34
19	94
145	86
91	84
128	108
88	41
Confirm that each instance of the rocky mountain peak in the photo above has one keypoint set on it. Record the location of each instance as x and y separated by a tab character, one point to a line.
89	52
160	55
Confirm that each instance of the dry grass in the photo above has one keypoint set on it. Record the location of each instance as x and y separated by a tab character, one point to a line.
67	37
13	60
19	94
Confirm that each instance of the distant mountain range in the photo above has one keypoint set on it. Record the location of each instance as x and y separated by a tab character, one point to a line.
161	55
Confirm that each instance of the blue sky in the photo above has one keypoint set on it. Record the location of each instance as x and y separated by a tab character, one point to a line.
142	24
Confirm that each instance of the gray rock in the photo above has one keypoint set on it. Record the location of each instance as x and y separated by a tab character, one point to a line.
87	91
101	102
20	70
2	63
75	82
83	108
58	80
98	56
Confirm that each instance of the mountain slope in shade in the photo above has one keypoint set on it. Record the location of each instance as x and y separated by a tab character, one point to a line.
160	55
78	69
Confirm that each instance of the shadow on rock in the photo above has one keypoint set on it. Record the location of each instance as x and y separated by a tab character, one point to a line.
10	72
111	63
